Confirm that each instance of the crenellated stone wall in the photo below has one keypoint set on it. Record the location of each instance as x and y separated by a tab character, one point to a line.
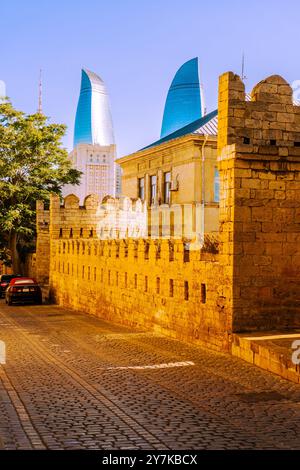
102	263
111	218
155	284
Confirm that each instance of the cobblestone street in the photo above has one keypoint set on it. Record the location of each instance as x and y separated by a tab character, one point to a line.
72	381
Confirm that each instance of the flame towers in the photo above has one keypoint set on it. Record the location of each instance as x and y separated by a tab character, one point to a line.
93	123
184	103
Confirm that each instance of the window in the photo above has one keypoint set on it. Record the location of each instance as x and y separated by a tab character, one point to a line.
153	189
217	185
135	281
95	274
117	279
167	187
125	279
146	283
141	188
158	285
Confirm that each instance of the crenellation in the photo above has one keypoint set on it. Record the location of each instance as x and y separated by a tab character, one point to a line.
169	283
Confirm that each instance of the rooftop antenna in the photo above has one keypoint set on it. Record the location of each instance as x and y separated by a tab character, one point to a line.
202	96
243	76
40	107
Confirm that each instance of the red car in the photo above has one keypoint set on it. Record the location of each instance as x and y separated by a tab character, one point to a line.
23	289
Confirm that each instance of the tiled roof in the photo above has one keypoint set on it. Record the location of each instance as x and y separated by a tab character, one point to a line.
205	125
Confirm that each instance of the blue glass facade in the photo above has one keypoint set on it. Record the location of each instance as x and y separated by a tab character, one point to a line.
93	122
183	104
83	120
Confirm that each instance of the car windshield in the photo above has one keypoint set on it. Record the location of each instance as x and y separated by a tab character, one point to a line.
7	277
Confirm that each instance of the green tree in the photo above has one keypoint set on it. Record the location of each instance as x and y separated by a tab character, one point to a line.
33	165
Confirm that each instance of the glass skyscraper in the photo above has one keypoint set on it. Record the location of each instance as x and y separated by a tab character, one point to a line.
184	103
94	151
93	123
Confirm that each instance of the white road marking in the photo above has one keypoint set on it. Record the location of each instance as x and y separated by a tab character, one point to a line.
155	366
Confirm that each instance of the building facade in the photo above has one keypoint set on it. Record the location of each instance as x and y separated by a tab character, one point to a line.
178	179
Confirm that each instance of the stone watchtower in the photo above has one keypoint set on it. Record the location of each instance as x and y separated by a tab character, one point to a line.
259	159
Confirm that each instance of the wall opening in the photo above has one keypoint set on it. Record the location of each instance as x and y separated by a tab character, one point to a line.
203	293
171	288
186	290
158	285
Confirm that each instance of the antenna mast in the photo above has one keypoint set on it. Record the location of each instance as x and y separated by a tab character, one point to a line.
40	107
243	76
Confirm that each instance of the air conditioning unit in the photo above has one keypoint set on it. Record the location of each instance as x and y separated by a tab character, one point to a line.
174	185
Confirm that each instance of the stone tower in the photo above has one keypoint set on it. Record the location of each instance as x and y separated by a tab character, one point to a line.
259	160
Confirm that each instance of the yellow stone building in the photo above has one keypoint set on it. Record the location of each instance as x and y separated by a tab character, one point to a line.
178	178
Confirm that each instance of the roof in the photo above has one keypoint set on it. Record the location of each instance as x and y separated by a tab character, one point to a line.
206	125
94	78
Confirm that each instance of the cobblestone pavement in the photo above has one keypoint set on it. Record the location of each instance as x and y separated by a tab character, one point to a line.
72	381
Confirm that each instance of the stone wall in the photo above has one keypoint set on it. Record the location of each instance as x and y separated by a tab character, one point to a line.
251	284
154	284
259	161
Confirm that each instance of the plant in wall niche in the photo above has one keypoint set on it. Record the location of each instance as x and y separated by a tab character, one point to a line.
210	244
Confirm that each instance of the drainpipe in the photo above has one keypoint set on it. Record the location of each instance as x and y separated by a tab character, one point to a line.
203	186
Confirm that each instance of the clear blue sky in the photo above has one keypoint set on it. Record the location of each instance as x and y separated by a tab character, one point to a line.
136	46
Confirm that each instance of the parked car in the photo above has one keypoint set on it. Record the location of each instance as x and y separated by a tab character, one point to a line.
4	282
23	289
